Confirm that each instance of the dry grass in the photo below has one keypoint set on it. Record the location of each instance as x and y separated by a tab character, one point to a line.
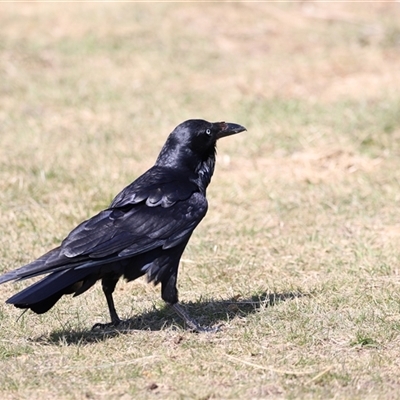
298	257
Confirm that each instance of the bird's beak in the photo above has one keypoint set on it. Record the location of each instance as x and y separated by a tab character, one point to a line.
227	129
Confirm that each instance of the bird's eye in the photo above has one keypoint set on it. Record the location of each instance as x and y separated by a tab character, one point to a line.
208	131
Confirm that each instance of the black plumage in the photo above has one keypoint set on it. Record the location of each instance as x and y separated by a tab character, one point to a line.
144	231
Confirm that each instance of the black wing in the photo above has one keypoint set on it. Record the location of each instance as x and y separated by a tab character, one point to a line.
159	209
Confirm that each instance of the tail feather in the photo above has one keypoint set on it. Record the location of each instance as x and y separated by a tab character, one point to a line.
55	262
42	295
34	268
42	306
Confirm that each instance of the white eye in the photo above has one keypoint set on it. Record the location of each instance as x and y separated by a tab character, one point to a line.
208	132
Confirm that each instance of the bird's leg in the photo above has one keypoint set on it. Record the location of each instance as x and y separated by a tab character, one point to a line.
115	320
190	322
108	284
169	294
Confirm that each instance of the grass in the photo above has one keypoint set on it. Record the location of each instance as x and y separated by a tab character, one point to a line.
298	257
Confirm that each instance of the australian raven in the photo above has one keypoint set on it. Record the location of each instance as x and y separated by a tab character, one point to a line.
143	231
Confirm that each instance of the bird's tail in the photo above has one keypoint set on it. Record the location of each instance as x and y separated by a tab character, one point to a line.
42	295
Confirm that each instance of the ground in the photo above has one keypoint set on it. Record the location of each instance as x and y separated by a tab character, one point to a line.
297	260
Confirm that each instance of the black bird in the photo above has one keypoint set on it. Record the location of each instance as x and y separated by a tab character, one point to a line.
144	230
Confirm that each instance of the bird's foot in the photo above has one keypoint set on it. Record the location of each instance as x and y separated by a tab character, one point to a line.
99	326
204	329
113	325
191	323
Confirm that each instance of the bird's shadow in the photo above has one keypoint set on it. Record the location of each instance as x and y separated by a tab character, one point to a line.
206	312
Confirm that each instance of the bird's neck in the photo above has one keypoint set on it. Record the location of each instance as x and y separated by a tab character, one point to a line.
205	172
200	168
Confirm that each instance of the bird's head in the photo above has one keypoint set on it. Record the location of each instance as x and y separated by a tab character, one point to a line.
194	141
199	134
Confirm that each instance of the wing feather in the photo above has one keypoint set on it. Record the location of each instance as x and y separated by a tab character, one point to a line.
139	229
158	210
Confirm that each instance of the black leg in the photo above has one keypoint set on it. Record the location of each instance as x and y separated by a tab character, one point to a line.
115	320
169	294
108	284
191	323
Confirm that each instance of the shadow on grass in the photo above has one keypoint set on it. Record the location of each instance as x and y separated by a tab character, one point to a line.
206	312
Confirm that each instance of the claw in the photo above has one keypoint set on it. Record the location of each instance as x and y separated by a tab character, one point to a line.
191	323
100	326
